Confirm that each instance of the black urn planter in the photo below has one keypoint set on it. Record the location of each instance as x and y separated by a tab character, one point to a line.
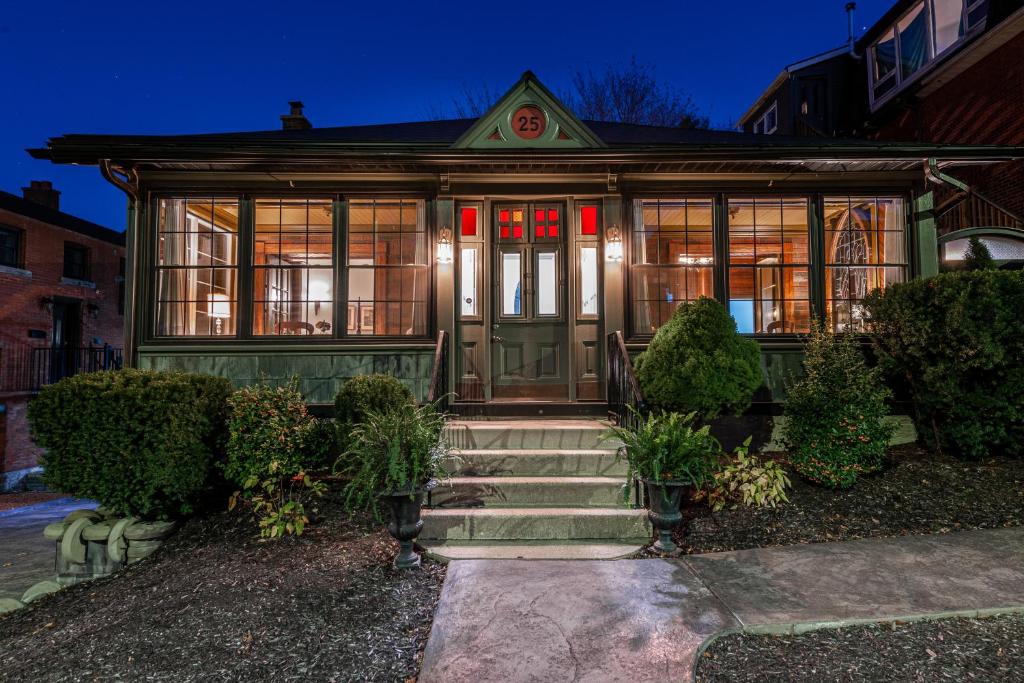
663	500
405	524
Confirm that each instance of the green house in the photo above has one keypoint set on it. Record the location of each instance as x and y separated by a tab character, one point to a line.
500	254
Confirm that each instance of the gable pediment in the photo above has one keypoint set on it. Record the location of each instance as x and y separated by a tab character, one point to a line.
528	116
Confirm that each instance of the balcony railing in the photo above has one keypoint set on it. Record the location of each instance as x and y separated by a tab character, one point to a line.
29	369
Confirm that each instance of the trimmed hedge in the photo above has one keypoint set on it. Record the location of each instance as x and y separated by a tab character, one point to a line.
358	396
697	362
958	341
140	442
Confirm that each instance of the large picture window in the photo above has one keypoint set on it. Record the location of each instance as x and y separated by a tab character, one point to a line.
865	249
673	257
769	289
388	272
293	267
197	267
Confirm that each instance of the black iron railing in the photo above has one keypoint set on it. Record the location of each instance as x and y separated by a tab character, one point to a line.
29	369
438	391
625	399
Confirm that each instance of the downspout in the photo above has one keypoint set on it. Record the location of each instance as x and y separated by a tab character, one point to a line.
127	180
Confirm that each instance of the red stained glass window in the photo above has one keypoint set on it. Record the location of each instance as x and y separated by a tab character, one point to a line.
510	224
588	220
504	232
552	215
503	215
469	221
553	230
517	232
539	215
546	222
538	230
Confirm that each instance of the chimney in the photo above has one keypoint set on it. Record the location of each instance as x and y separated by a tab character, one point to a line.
42	192
850	39
296	120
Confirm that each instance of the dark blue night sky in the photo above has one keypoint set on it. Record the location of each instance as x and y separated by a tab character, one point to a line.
195	67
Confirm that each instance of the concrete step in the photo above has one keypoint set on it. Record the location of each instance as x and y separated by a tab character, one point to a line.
529	434
529	491
521	462
536	524
528	550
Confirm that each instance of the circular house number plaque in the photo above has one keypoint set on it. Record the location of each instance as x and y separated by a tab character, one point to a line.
529	122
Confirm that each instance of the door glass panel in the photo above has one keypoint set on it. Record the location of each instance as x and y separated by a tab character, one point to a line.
588	281
547	283
511	284
467	290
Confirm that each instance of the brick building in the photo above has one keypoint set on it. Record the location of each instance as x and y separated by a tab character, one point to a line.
62	280
935	71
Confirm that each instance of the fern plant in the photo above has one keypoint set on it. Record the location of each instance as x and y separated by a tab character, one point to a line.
393	451
665	448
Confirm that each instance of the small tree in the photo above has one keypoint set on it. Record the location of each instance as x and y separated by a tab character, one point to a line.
835	428
978	257
697	362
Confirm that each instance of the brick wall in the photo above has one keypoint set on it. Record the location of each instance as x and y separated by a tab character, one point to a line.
22	309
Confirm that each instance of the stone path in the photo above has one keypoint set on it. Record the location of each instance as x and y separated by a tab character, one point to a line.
648	620
25	556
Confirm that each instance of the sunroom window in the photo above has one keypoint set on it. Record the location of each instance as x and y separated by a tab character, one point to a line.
197	267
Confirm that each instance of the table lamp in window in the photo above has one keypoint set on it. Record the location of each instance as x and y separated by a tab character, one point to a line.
218	307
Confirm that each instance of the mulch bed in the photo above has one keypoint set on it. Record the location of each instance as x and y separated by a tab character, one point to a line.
917	493
216	603
9	501
948	650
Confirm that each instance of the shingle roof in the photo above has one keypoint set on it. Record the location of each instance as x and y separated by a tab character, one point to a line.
30	209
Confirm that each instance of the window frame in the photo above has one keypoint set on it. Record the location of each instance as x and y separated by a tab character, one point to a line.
71	246
762	121
19	247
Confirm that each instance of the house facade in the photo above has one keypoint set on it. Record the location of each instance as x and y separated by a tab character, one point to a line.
934	71
62	280
525	237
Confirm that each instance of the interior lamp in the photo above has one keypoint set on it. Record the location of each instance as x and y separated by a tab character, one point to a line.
218	307
445	255
613	244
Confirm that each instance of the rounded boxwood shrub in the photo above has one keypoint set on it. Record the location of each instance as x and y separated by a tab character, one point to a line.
835	425
697	362
957	340
140	442
360	395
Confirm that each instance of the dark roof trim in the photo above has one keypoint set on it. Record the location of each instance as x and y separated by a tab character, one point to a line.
45	214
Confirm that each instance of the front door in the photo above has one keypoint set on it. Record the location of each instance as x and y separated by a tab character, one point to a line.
529	321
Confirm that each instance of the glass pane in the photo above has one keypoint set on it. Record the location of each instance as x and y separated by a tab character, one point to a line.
547	283
885	57
949	25
588	220
467	291
913	41
511	284
468	219
588	280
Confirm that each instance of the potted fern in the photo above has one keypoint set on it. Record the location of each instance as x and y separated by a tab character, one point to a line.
668	455
393	457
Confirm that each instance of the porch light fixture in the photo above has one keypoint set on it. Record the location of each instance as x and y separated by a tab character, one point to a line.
218	307
445	255
613	244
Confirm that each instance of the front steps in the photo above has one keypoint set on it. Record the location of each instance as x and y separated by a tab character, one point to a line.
533	489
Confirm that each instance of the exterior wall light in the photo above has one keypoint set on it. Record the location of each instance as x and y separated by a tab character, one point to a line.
613	244
445	255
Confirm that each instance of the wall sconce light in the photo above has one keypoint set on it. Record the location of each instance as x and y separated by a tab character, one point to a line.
46	303
613	244
93	310
445	255
218	307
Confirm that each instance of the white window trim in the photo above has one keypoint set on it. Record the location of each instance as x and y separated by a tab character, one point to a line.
762	121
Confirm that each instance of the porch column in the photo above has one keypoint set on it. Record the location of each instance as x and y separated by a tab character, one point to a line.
926	244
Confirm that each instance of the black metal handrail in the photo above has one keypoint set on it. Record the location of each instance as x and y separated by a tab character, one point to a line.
29	369
625	399
438	392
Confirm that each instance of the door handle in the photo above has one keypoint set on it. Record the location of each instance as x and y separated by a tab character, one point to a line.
496	339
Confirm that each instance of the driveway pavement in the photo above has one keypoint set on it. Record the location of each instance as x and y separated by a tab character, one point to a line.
26	557
648	620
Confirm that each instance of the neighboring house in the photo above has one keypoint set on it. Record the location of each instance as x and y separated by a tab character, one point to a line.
62	280
935	71
528	236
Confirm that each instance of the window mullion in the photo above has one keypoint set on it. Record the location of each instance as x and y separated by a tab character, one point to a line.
246	226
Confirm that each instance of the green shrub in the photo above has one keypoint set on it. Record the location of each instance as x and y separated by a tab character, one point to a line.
697	362
748	481
664	447
364	394
396	449
140	442
835	414
273	441
957	339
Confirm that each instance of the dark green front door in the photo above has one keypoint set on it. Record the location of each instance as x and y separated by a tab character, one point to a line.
529	329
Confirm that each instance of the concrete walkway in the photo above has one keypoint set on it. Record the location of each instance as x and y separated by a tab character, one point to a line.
25	556
648	620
